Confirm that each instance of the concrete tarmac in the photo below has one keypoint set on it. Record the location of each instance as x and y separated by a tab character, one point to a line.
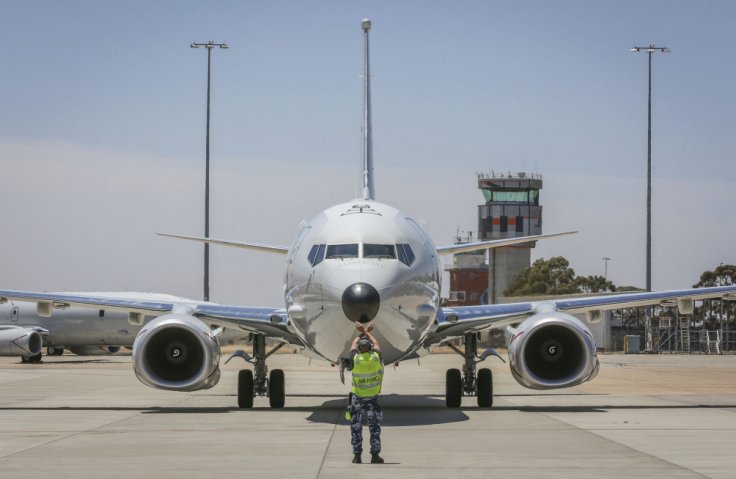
643	416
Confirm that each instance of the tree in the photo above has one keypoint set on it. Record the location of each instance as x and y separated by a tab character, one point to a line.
723	275
554	276
594	284
544	277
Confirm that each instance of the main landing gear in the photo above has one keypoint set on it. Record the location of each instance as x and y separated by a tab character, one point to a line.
469	383
258	382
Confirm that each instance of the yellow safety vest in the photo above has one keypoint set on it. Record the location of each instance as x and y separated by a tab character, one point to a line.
367	374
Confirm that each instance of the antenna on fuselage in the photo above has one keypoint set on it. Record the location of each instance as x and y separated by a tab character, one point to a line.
368	191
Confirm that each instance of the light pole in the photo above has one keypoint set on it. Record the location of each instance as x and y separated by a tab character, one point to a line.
209	46
605	259
650	49
648	320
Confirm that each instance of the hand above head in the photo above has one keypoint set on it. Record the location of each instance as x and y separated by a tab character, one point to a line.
359	327
369	328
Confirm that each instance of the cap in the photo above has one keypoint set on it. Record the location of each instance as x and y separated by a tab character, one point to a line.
364	343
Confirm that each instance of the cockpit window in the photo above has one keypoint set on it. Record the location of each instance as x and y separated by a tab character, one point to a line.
316	254
379	251
406	255
339	251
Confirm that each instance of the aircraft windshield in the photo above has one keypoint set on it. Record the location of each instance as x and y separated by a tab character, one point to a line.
316	254
406	255
379	251
339	251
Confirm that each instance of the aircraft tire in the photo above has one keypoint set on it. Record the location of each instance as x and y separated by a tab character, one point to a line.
35	359
276	388
484	382
453	388
245	388
54	351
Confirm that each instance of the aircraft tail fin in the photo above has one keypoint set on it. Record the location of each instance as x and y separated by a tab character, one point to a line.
368	187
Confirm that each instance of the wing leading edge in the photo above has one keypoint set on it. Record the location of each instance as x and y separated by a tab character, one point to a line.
269	321
454	322
266	248
480	245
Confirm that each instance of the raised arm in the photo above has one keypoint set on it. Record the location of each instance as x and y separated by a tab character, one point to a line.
365	331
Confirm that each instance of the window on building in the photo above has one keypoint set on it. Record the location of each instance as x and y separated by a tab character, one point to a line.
504	224
519	224
457	295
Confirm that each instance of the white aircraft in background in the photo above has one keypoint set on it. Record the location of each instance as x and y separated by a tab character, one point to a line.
363	261
81	330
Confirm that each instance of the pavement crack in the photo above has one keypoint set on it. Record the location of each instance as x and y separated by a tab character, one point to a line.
329	443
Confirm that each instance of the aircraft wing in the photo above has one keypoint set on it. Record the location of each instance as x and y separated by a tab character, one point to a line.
267	248
269	321
454	322
480	245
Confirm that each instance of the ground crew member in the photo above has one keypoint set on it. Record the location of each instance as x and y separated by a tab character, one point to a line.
367	377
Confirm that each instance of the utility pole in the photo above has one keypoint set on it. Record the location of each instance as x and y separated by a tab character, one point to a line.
209	46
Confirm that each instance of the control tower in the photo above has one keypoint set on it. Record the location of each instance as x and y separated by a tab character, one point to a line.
511	210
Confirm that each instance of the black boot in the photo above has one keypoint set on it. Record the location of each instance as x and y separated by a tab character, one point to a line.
376	459
356	459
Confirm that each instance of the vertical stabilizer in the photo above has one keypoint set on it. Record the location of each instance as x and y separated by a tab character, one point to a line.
368	190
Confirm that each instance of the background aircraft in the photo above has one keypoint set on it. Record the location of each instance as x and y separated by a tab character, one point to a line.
82	331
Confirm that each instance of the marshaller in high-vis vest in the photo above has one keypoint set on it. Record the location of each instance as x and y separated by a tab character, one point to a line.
367	366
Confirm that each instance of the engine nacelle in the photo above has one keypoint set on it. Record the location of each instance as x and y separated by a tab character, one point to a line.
15	341
177	352
94	350
552	350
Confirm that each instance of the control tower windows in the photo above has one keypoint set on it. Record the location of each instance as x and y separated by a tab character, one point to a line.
526	197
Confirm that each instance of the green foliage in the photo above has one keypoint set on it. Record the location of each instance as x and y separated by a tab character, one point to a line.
594	284
711	311
723	275
554	276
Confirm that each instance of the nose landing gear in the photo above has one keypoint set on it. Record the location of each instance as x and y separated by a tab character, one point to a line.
467	383
259	382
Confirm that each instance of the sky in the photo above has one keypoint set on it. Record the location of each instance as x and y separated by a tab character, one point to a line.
102	132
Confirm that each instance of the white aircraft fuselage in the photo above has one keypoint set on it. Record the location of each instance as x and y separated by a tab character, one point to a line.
363	273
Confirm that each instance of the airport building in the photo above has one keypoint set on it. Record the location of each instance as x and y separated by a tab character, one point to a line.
511	209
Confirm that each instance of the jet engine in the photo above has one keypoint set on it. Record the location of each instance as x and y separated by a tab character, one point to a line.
15	341
94	350
177	352
552	350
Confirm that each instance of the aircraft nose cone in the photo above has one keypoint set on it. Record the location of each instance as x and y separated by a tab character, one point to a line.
360	302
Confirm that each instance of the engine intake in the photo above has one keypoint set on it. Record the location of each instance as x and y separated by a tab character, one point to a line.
177	352
552	350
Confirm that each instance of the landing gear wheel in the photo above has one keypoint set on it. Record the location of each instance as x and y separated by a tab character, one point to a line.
245	388
35	359
453	388
276	394
54	351
485	387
